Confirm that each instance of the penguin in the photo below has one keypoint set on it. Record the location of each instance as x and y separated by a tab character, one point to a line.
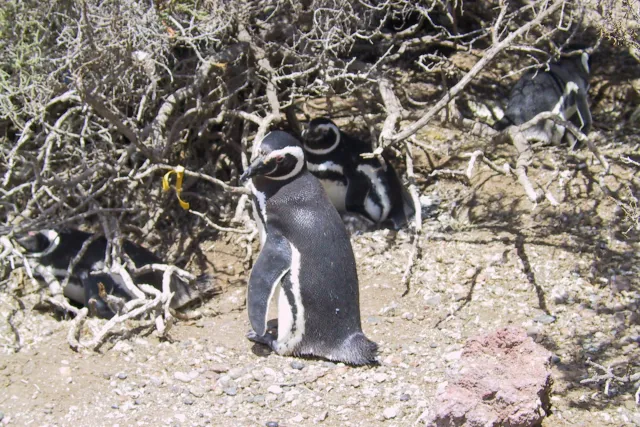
307	255
561	89
369	187
55	249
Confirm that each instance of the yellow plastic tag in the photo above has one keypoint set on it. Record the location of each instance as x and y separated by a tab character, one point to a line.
179	171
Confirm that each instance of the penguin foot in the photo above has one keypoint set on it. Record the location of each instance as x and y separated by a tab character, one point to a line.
266	339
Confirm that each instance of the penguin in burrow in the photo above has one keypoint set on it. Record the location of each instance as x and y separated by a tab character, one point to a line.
54	250
561	89
370	187
307	255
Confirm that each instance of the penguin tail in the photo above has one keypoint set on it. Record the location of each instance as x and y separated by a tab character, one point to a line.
189	292
356	350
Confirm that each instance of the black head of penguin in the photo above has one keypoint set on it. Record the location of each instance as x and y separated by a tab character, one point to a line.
322	136
37	242
280	158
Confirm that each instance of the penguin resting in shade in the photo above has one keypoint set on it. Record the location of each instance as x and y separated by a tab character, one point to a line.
365	186
562	89
55	249
308	255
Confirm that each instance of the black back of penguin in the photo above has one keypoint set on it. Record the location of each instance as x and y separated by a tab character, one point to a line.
372	189
563	89
55	249
301	221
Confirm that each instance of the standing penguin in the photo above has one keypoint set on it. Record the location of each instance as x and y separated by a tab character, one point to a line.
369	187
55	249
307	252
562	89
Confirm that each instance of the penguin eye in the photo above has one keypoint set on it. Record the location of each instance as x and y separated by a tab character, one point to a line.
279	159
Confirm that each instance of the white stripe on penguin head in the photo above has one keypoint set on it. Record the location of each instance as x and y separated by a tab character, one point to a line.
294	151
336	131
54	241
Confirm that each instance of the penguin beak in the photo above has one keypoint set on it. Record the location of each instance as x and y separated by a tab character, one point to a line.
258	167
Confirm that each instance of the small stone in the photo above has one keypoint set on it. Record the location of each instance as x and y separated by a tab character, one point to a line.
230	391
297	419
453	355
433	345
296	364
122	347
236	373
390	413
65	371
156	380
545	319
186	377
114	406
196	391
122	375
271	424
275	389
188	400
433	300
555	359
407	316
380	377
219	368
404	397
323	416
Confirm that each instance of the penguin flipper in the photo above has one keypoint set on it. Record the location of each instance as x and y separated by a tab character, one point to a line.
272	264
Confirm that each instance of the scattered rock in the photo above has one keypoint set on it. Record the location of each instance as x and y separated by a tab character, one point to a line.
65	371
236	373
122	375
188	400
323	416
296	364
504	379
196	391
380	377
219	368
275	389
390	413
271	424
407	316
545	319
122	347
404	397
230	391
453	355
432	300
186	377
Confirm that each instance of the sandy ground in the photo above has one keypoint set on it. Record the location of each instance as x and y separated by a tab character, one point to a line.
566	274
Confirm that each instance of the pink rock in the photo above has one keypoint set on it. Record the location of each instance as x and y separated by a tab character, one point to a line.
503	380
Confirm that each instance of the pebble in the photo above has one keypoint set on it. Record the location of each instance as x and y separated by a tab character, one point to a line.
275	389
545	319
390	413
323	416
407	316
236	373
231	391
433	300
271	424
184	377
451	356
189	400
404	397
65	371
219	368
122	375
196	391
380	377
296	364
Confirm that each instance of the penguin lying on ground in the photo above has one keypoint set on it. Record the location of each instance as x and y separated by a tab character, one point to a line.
55	249
561	89
365	186
307	252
